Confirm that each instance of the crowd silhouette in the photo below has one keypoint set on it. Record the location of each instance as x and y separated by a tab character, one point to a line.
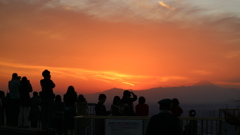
49	111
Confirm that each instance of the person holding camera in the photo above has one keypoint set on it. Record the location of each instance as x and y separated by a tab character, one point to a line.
47	99
127	101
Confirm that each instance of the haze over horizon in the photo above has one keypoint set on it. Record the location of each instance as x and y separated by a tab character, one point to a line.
131	44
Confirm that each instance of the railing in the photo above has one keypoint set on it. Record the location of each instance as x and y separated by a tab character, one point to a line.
202	126
232	118
91	108
190	125
135	125
233	112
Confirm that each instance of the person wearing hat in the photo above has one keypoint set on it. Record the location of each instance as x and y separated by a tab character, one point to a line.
164	123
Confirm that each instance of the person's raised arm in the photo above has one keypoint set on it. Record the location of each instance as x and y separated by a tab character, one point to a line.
134	97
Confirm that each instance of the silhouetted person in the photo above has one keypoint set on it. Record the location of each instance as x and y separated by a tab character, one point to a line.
2	107
47	99
70	97
82	109
117	106
176	109
81	105
100	108
58	117
127	100
191	128
24	90
141	108
13	103
34	114
164	123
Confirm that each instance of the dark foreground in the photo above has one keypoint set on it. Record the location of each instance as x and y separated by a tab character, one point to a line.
4	130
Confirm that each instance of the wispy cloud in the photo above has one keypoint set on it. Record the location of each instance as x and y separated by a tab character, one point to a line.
83	74
104	76
165	5
190	14
128	83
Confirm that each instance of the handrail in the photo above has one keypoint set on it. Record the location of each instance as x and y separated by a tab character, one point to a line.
142	117
201	125
112	117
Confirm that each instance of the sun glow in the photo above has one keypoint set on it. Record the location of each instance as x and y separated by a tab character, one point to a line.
98	45
129	83
165	5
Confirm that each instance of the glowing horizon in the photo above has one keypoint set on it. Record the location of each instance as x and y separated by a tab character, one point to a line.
122	80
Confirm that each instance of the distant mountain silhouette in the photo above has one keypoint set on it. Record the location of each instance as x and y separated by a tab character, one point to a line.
203	92
201	96
205	84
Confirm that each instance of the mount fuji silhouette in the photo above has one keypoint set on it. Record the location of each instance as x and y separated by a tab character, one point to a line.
203	92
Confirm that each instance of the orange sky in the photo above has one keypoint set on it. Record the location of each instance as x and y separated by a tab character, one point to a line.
132	45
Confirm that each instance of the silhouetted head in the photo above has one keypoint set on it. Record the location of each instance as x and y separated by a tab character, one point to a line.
127	93
116	100
14	76
102	98
81	98
192	113
175	101
70	89
165	104
2	94
141	100
58	98
46	73
24	79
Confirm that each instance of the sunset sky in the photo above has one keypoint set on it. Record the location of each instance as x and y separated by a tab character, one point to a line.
96	45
